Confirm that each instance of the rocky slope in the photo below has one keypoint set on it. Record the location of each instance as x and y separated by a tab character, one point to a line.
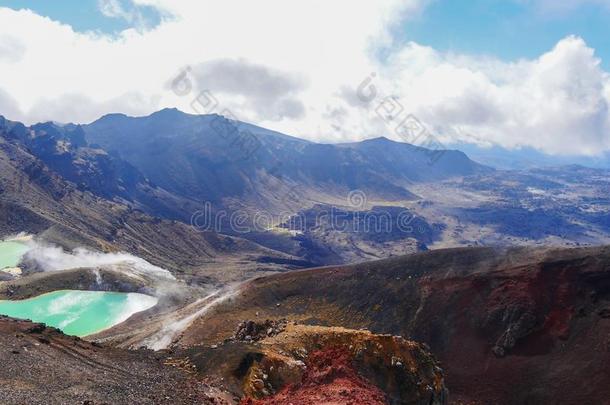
509	326
36	199
293	364
65	151
42	366
282	363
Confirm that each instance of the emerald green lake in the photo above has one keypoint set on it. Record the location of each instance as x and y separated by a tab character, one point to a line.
11	253
79	313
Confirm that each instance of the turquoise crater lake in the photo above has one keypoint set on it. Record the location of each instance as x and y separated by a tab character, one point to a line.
79	313
11	253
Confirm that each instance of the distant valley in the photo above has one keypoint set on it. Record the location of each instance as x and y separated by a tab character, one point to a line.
240	180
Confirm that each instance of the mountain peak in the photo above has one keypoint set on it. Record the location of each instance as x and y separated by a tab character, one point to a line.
111	116
380	139
169	113
168	110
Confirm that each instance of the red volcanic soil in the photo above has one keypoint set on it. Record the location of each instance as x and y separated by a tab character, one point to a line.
330	379
304	364
513	326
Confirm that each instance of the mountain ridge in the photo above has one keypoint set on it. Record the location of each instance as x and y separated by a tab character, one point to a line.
35	199
210	158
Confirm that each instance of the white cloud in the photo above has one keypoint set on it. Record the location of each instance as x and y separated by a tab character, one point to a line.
126	10
9	106
65	107
557	103
11	48
113	9
295	65
269	94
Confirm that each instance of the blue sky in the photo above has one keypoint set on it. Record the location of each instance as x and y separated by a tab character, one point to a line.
509	29
84	15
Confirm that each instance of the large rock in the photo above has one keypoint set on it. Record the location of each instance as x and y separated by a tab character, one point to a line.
312	364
